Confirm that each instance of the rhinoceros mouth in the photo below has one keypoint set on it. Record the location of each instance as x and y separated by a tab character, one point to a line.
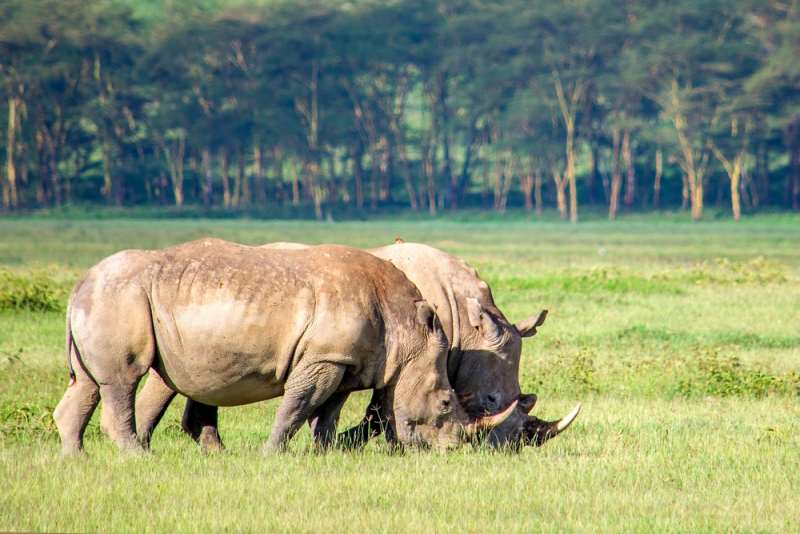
480	424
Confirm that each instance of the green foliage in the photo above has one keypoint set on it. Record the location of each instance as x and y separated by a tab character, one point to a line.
709	373
35	290
134	103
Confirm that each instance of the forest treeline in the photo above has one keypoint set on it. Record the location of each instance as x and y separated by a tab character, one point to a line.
323	105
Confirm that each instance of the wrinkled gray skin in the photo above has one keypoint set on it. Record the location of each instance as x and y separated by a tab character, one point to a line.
482	364
225	325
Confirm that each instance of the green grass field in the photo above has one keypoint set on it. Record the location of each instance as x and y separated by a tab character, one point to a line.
682	340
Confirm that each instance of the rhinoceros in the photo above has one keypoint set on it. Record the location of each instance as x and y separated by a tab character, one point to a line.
482	364
225	324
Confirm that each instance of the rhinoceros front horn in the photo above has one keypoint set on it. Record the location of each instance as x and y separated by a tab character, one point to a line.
536	432
486	423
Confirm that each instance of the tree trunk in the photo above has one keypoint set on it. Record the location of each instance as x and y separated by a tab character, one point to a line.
207	183
429	163
694	172
332	194
485	169
734	170
497	179
162	187
594	173
568	111
258	177
243	178
356	153
560	182
526	185
616	176
226	190
463	180
734	176
793	178
374	178
52	164
570	174
537	177
762	168
10	185
277	164
657	181
508	176
645	177
401	151
747	181
174	159
107	189
387	170
195	176
684	191
41	165
630	173
312	174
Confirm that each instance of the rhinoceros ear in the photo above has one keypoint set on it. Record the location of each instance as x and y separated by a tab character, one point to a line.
482	320
426	316
527	327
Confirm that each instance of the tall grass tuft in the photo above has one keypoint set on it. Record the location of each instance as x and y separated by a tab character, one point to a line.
35	290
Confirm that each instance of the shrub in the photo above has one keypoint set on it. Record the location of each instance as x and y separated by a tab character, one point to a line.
727	376
35	291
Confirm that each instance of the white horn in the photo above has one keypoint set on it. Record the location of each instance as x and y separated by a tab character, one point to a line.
564	423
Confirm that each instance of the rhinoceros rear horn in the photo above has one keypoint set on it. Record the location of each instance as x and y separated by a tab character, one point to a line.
486	423
536	432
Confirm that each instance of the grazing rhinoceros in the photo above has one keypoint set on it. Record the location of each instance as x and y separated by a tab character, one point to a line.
482	363
226	324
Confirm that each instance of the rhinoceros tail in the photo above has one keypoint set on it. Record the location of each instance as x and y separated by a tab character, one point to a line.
70	342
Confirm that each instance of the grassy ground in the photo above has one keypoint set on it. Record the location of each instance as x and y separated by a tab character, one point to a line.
687	365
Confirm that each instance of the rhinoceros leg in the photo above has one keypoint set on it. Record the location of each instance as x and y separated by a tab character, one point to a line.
119	399
324	419
151	403
308	387
75	409
200	421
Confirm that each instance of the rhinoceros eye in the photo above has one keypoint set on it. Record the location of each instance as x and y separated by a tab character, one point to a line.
491	398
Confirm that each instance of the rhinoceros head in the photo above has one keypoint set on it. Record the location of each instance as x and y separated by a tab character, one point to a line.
426	410
489	367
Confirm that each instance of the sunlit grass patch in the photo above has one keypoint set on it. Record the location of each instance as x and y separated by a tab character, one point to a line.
690	419
618	279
